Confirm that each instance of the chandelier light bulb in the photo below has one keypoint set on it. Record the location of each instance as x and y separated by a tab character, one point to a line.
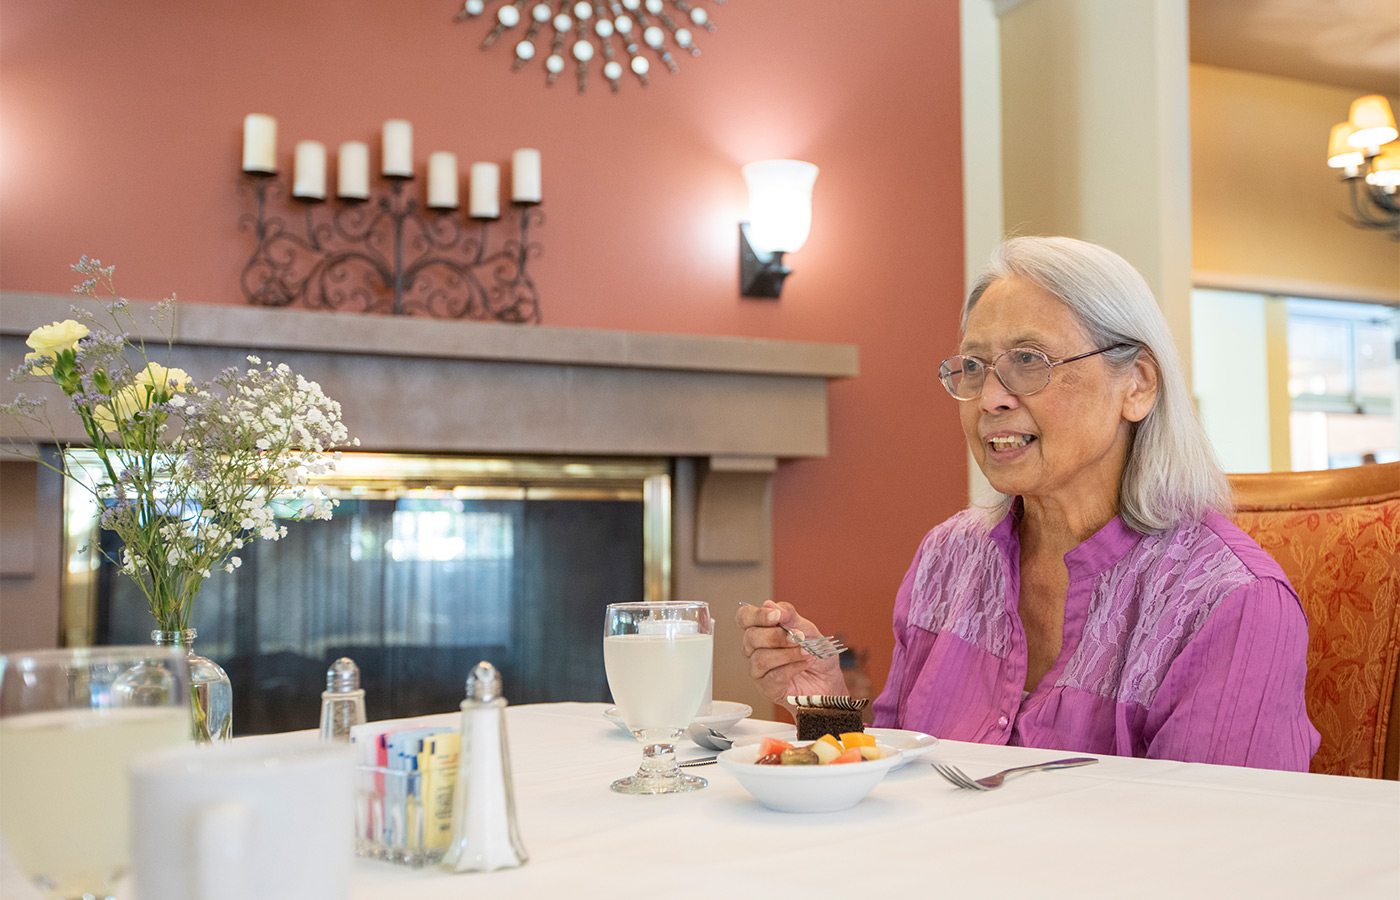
1340	153
1385	168
1373	121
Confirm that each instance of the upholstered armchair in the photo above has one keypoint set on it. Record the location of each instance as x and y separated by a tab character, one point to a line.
1336	534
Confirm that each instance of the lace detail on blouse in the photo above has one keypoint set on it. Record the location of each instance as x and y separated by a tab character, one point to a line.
1146	608
960	585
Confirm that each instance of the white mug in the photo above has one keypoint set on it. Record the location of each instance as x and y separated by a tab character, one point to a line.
236	821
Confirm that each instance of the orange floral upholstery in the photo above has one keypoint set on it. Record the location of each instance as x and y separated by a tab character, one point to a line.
1337	537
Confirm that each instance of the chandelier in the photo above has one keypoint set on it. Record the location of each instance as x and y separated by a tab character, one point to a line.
1366	150
622	34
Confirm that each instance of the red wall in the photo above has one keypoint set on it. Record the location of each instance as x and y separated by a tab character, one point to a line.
120	131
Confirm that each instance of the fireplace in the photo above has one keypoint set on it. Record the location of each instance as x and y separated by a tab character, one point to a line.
430	565
719	414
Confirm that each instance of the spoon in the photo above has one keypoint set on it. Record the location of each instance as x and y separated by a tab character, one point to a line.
707	737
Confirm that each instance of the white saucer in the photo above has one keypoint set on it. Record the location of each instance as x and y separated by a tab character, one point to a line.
911	744
723	714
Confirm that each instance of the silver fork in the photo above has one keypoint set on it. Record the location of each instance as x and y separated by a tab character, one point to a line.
820	647
955	775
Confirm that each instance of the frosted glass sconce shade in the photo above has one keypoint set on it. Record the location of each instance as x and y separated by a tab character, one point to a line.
780	218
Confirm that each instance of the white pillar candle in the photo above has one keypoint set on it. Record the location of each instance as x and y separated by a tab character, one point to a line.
398	149
525	176
442	180
352	173
486	189
259	143
310	172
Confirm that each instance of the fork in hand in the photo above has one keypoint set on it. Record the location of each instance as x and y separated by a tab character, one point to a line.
820	647
992	782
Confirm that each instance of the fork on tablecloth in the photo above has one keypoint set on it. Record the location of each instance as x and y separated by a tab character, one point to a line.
957	777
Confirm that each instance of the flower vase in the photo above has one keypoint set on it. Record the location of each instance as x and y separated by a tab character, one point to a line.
211	693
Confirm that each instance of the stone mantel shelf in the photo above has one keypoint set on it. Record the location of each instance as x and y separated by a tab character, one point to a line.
410	384
261	328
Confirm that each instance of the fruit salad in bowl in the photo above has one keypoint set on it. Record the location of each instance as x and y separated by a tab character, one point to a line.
825	775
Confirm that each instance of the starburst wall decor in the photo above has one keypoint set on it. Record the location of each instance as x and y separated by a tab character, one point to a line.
619	33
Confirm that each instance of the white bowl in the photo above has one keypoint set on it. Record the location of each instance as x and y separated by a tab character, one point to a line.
807	789
912	744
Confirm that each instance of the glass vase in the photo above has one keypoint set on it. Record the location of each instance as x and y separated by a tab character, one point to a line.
211	693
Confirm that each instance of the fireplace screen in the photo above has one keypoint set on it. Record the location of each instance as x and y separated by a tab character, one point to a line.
429	566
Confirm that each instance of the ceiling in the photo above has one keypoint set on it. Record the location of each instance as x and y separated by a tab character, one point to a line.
1346	43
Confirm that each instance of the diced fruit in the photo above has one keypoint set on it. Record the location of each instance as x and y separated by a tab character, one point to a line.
831	741
772	745
800	756
826	751
771	759
871	752
857	739
850	756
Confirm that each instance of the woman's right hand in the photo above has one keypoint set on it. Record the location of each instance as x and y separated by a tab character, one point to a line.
776	666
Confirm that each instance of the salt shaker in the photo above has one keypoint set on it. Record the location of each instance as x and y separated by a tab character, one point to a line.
484	834
342	702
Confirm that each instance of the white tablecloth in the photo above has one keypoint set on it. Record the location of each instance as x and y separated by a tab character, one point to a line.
1121	828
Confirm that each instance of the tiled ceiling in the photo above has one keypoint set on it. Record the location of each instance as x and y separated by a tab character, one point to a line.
1347	43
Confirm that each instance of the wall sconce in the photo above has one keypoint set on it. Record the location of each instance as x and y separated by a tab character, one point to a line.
1366	150
780	218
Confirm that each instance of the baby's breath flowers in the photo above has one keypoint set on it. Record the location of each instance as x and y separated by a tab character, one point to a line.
189	472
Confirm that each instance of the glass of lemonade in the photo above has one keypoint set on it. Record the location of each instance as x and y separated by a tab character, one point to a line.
658	658
71	721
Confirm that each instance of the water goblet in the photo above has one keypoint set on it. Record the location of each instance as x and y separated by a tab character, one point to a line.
71	721
658	658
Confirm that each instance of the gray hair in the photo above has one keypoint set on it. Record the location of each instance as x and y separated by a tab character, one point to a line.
1172	476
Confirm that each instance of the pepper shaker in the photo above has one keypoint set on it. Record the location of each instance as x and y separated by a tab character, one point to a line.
342	702
484	833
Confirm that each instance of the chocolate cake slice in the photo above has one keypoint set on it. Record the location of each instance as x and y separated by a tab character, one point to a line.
819	714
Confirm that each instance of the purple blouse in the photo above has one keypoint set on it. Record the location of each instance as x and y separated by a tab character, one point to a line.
1185	645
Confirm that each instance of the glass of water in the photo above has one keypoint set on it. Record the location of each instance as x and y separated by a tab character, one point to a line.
658	658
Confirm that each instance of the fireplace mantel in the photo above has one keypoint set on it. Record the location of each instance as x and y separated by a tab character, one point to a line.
429	385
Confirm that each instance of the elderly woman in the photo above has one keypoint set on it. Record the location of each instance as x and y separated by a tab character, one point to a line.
1106	605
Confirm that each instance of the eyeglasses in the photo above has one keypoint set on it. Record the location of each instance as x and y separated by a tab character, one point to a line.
1020	370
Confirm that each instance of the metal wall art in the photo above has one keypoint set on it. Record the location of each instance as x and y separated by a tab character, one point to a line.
619	33
369	253
386	254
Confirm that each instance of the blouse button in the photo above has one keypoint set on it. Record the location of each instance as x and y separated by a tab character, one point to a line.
1003	720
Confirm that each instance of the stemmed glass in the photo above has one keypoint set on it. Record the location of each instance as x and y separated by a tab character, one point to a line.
71	721
658	658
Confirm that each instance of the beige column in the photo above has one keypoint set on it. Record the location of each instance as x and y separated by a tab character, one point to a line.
1096	141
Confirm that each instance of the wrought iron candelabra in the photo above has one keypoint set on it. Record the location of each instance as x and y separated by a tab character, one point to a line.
384	255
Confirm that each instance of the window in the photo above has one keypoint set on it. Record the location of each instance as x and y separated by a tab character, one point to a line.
1341	383
1334	362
